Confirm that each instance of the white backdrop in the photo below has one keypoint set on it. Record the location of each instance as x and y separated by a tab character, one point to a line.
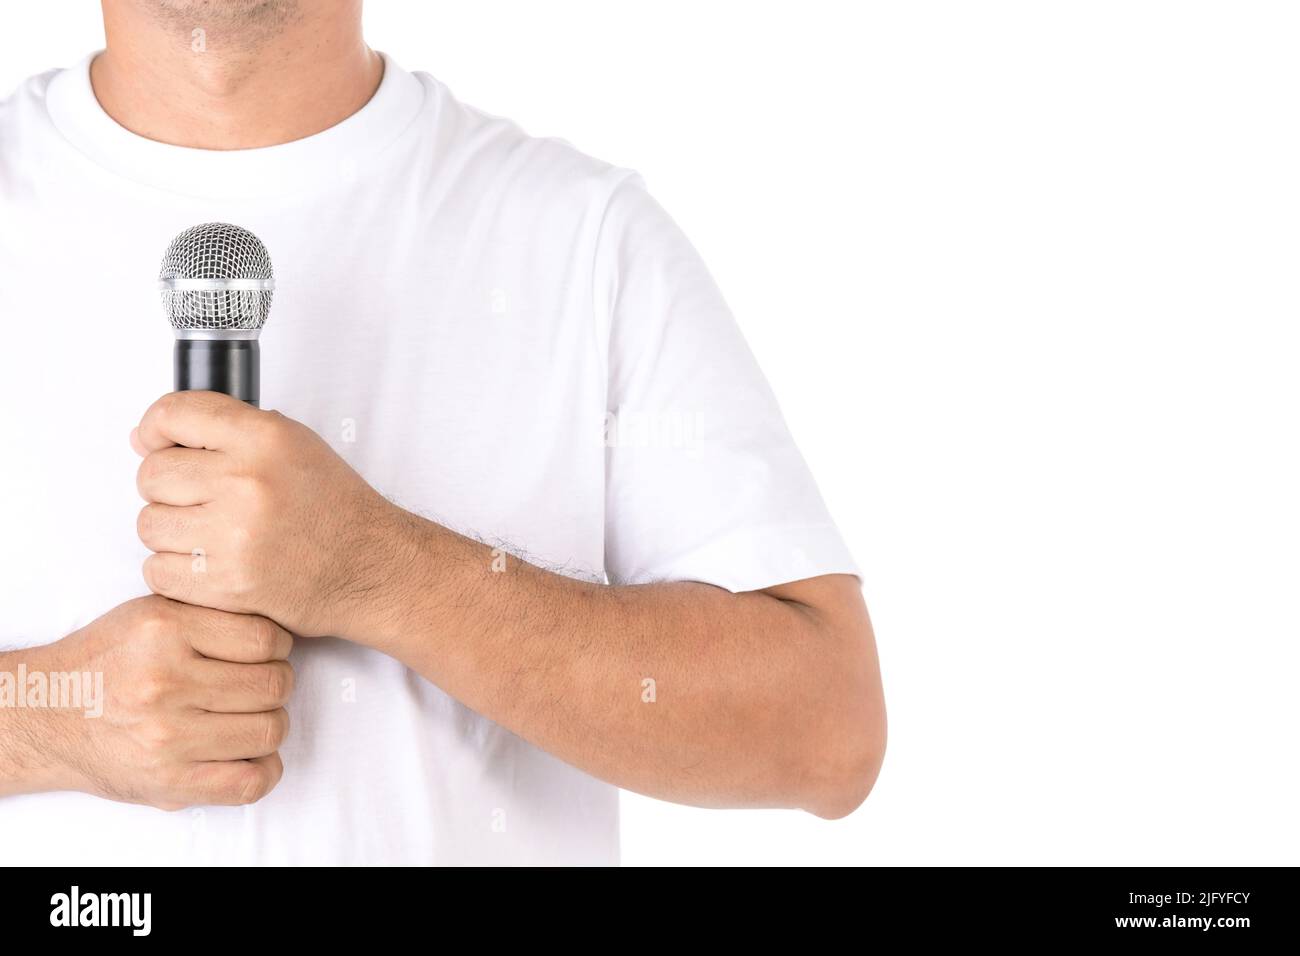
1024	277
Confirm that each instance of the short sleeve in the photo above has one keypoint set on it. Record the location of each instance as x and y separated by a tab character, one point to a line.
703	480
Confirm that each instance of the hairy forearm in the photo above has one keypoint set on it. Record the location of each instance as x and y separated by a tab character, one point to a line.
682	691
27	746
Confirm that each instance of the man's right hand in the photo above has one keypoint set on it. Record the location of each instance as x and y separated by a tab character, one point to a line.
193	709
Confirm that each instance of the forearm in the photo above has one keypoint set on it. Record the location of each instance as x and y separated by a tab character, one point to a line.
682	691
27	734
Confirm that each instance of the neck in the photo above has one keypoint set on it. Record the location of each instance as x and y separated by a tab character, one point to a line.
250	74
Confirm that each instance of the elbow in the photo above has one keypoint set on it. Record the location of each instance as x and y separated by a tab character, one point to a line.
834	725
844	761
846	785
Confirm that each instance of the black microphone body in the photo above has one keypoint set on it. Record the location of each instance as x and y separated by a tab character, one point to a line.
230	366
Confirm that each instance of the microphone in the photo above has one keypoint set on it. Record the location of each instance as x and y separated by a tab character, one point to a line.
216	285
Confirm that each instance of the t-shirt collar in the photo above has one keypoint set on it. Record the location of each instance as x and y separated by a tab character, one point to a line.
335	154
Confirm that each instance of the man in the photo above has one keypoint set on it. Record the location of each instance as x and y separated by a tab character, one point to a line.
526	506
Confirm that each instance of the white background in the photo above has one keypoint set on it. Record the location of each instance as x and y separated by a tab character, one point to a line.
1024	275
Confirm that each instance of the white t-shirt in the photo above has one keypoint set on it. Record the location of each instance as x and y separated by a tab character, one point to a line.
496	331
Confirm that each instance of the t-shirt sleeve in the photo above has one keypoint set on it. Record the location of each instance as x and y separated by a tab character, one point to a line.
703	480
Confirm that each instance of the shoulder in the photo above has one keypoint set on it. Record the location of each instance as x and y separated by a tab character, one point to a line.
23	121
20	107
496	159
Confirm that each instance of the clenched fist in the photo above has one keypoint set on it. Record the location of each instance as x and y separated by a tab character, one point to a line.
250	511
193	709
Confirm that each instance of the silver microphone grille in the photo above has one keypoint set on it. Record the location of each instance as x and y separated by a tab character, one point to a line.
216	277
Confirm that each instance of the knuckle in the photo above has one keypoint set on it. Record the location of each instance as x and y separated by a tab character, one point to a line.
252	783
242	585
169	791
261	638
164	409
158	737
256	492
173	780
241	538
153	622
148	524
270	424
146	475
274	729
163	577
188	785
156	576
240	578
279	682
151	690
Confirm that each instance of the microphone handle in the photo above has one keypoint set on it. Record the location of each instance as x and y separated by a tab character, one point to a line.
231	366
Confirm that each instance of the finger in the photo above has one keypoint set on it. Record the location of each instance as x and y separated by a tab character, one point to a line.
235	736
136	444
239	638
183	531
196	420
179	476
225	688
184	578
232	783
